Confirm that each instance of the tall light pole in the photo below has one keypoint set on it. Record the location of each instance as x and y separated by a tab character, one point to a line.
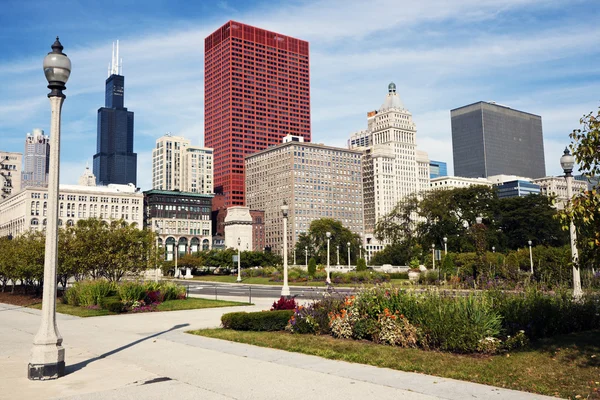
348	244
433	254
360	245
239	268
157	249
338	254
493	249
285	290
47	360
566	162
294	256
445	246
306	256
177	272
530	257
328	280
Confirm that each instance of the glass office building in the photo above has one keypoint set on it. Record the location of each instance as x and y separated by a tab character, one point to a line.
437	169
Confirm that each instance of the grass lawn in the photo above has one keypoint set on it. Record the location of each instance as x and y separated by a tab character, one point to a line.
75	310
567	366
266	281
190	303
193	303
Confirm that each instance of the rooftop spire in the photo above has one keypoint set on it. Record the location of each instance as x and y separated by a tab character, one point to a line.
115	67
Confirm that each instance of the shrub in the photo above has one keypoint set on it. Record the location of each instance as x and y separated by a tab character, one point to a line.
113	304
361	265
172	291
131	291
398	275
284	304
312	267
89	293
257	321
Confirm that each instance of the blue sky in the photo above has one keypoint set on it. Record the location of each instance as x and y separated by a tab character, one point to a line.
540	56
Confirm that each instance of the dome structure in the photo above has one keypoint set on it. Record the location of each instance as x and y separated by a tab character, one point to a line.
392	100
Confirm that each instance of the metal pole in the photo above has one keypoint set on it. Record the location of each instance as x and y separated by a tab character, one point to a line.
177	274
306	256
577	292
348	254
294	256
239	269
328	278
530	258
47	360
285	290
338	254
433	255
250	296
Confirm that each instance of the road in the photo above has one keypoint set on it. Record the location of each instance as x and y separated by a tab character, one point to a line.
218	289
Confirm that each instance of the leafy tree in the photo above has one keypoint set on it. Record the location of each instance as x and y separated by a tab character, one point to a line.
584	210
316	240
361	265
7	262
312	267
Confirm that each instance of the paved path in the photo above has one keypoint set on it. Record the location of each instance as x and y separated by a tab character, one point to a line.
148	356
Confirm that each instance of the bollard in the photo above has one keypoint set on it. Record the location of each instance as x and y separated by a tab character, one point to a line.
250	295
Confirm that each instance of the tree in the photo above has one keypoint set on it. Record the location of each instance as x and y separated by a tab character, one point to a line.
316	240
312	267
584	209
361	265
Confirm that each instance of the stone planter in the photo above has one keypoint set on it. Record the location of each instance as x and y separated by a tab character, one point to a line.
413	275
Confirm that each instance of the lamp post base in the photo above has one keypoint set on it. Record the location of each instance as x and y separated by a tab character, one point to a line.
285	291
47	362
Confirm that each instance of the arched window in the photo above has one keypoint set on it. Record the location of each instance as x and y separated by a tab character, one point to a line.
34	222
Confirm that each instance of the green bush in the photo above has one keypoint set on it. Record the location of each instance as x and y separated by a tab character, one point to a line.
312	267
112	303
172	291
398	275
89	293
361	265
257	321
131	291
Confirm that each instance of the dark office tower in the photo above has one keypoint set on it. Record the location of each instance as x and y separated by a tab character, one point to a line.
115	161
491	139
256	91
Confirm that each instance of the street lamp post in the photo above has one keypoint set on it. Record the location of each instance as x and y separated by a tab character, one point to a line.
348	244
328	280
47	360
433	254
239	268
445	246
285	290
156	255
338	254
566	162
177	272
360	245
530	257
493	249
306	256
294	256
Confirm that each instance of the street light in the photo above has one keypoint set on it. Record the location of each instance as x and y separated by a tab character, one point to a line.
47	360
348	244
294	256
328	234
338	254
157	249
567	161
239	269
433	254
493	249
285	290
360	245
445	246
530	257
306	256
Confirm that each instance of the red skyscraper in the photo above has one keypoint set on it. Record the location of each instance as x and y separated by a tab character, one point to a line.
256	91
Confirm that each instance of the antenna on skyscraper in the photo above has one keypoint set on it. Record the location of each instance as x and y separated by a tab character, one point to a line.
114	63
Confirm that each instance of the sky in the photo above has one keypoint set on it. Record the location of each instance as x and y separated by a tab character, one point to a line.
538	56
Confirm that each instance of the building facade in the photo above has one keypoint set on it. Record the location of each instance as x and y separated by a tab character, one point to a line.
453	182
219	213
256	90
316	181
27	209
437	169
10	173
393	168
556	186
177	165
115	161
491	139
518	188
36	160
181	220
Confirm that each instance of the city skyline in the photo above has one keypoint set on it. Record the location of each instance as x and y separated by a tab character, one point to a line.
531	56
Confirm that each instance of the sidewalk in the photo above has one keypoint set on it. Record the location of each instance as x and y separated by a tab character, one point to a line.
149	356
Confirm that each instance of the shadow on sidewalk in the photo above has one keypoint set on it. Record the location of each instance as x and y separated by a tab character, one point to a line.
80	365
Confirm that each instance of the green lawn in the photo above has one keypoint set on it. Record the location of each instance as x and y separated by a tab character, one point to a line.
266	281
190	303
193	303
565	366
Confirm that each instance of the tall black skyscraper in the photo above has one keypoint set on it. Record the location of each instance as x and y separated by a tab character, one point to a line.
115	161
491	139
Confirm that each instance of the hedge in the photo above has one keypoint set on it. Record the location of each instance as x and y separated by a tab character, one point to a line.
257	321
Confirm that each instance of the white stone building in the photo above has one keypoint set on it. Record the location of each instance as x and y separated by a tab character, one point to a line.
453	182
557	186
10	173
316	181
27	209
238	228
177	165
393	168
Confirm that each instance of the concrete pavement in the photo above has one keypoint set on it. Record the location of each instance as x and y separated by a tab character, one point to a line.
149	356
